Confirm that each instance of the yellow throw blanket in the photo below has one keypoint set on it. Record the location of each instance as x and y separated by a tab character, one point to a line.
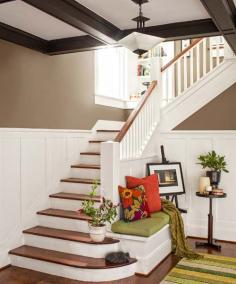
179	243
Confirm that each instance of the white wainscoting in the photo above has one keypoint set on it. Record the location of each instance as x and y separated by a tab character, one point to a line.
185	146
32	162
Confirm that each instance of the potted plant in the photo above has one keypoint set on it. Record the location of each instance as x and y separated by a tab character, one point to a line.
216	164
105	213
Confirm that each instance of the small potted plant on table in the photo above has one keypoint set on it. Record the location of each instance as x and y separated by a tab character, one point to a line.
216	164
105	213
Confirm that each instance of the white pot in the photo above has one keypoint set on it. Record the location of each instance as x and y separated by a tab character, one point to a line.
97	234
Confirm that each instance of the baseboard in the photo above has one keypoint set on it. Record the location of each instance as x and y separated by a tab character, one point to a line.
5	267
159	264
218	240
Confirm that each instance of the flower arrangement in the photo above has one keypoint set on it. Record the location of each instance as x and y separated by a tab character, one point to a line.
106	212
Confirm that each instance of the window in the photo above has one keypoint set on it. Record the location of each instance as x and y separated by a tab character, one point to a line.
111	73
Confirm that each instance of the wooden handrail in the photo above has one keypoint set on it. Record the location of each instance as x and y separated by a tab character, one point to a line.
135	112
181	54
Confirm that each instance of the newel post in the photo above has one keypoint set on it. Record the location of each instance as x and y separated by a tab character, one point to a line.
110	170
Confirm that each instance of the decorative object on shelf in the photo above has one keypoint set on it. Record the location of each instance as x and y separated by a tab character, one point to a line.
216	164
170	177
217	191
106	212
139	42
204	184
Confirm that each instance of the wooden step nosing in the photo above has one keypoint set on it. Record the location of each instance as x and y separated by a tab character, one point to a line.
90	153
63	216
105	242
78	181
43	257
89	167
73	198
107	130
97	141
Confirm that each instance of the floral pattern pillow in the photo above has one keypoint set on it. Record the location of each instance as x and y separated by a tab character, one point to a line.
134	203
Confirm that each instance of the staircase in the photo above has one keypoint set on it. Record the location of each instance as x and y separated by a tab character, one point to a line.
60	245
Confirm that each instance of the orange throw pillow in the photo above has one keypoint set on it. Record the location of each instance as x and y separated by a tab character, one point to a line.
151	185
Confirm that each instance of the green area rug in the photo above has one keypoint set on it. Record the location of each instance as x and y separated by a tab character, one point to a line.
211	269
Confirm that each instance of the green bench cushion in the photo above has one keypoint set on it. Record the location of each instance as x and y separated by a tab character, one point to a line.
144	227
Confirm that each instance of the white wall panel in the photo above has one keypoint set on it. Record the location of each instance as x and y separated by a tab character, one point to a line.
196	143
32	162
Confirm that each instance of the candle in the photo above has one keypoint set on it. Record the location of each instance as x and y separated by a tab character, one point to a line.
204	184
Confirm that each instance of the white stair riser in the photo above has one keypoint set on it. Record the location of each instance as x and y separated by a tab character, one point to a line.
67	204
105	136
90	250
94	147
63	223
82	188
85	173
90	159
82	274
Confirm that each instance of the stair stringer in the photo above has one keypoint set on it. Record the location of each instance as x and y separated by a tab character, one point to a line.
200	94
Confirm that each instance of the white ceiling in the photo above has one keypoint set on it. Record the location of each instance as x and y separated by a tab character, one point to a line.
29	19
120	12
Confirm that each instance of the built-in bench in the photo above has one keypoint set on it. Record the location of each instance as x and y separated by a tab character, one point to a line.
142	228
148	240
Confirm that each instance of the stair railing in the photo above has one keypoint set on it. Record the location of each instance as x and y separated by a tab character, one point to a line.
140	125
188	67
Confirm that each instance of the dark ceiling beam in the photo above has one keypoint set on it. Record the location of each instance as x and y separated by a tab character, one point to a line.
22	38
80	17
223	14
74	44
182	30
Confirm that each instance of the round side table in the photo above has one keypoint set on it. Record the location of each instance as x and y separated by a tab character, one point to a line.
210	242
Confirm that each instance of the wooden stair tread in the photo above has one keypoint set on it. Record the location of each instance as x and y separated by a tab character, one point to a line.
91	153
79	180
68	214
97	141
66	235
62	258
107	130
74	196
86	166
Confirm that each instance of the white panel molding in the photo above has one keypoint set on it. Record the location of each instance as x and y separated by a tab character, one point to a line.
194	143
32	162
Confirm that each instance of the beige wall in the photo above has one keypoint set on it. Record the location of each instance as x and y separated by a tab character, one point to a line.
39	91
219	114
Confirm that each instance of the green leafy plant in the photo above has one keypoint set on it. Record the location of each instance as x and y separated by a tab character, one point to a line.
213	161
106	212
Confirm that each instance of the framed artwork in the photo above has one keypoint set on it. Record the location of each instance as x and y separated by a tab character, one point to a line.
170	177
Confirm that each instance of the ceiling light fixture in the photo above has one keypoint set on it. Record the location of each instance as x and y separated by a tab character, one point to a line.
139	42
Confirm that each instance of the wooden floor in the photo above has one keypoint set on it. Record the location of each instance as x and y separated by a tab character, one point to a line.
14	275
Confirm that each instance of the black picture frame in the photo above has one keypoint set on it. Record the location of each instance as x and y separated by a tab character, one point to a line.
175	184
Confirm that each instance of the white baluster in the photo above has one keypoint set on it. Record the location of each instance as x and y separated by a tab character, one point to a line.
198	61
185	73
217	54
191	66
204	53
211	55
179	77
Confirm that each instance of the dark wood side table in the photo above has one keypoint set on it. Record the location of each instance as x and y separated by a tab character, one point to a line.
210	242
